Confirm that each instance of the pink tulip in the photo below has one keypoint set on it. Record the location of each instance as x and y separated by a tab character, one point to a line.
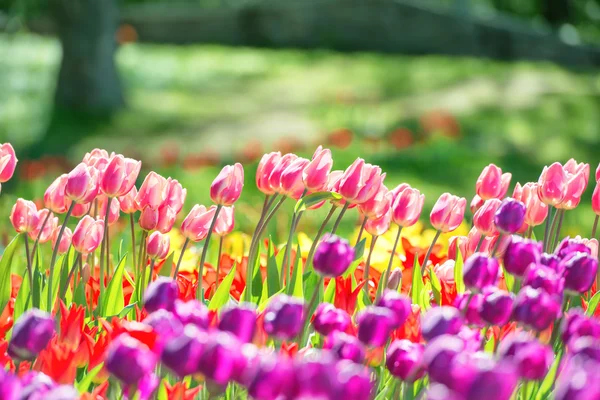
113	213
120	176
476	204
290	182
484	217
54	198
448	212
552	184
407	207
166	219
492	184
99	159
79	210
46	233
573	167
334	180
598	173
536	210
265	168
225	222
360	182
316	174
127	202
489	244
576	185
175	195
445	271
596	200
8	162
381	225
82	184
152	193
592	244
65	240
88	235
158	245
227	186
274	180
378	205
197	223
148	218
24	216
399	189
457	243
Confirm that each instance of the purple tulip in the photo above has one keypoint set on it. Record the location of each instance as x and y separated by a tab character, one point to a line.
63	392
404	360
521	253
240	320
192	312
10	386
585	347
539	276
375	325
397	304
579	271
222	358
439	355
345	347
480	271
439	321
182	354
472	337
272	378
496	382
284	317
30	334
329	319
165	324
129	360
36	385
316	376
576	324
161	294
496	307
510	216
469	305
536	308
531	358
355	381
570	246
578	380
438	391
333	256
551	261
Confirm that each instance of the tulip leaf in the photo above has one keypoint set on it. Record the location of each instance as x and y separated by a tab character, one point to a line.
5	271
509	280
114	301
84	385
272	272
61	264
257	281
314	198
221	296
359	249
458	271
294	287
490	345
329	296
593	305
548	381
265	301
38	302
436	286
23	300
417	283
167	267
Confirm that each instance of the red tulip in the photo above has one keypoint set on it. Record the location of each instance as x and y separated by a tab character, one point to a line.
88	234
24	216
448	212
227	186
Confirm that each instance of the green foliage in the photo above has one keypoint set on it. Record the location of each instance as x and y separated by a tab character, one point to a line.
221	296
113	301
5	271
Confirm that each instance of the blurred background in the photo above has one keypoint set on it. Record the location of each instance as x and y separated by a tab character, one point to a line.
432	91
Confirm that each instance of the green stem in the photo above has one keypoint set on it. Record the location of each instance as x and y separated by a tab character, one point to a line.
368	264
529	232
219	263
288	250
308	315
435	238
496	245
389	267
105	244
199	291
479	243
266	205
339	218
595	227
147	279
37	240
64	289
558	228
360	232
55	253
132	224
547	229
554	221
185	245
29	267
315	242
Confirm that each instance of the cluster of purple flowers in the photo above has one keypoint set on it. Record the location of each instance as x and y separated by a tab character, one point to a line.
34	386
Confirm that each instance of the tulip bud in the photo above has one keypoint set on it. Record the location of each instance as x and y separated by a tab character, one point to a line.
539	276
448	212
469	306
395	279
355	381
158	245
535	308
404	360
129	360
148	218
86	272
82	184
439	355
113	212
166	219
316	376
8	162
227	186
127	201
569	246
537	211
239	320
65	240
88	235
284	317
265	168
510	216
552	184
197	223
183	353
119	176
520	253
225	222
30	335
375	324
407	206
24	216
492	184
329	319
440	321
192	312
54	198
44	232
290	181
379	226
532	358
316	173
345	347
271	379
378	205
333	256
161	294
398	304
577	181
175	195
152	193
483	219
579	272
221	359
480	271
496	307
97	158
360	182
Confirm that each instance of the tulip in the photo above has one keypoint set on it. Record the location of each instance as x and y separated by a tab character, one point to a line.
97	158
113	212
537	211
30	334
360	182
476	204
284	317
448	212
239	320
520	253
290	181
227	186
158	245
54	197
148	218
166	326
579	272
197	223
576	325
480	271
274	179
355	381
62	392
539	276
161	294
407	206
458	244
345	347
88	234
328	319
492	184
552	184
375	324
551	261
221	359
8	162
569	246
577	180
316	174
192	312
483	219
535	308
127	201
271	379
379	226
333	256
439	356
10	386
404	360
378	205
509	216
316	377
395	279
496	307
175	195
441	321
487	380
398	304
166	219
80	210
183	353
265	167
46	225
82	184
445	271
129	360
119	176
532	358
152	193
225	222
65	240
24	216
578	380
585	348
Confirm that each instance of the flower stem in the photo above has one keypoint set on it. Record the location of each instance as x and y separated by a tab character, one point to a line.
55	253
144	282
313	246
103	249
29	268
63	291
389	267
288	247
219	262
199	290
308	315
496	246
37	240
558	228
132	224
368	264
595	227
185	245
339	218
360	232
548	229
479	243
435	238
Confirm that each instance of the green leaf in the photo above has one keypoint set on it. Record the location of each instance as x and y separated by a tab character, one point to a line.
60	265
509	280
257	280
119	254
548	381
490	345
458	271
329	296
272	272
593	304
359	249
114	301
295	286
23	300
312	199
79	295
311	279
84	385
265	301
126	310
221	296
38	302
167	267
417	283
5	271
436	286
162	392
